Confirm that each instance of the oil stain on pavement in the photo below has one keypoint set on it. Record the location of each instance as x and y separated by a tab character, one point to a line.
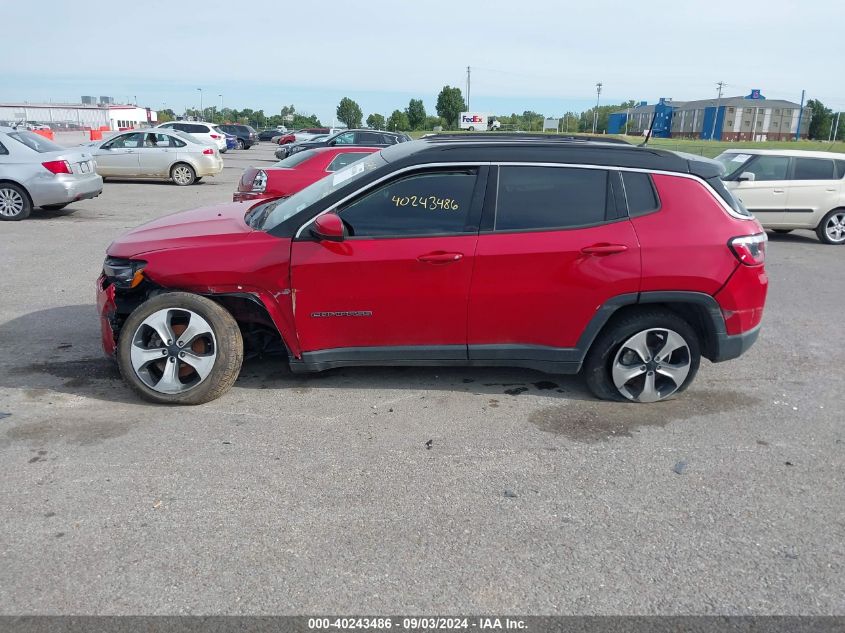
599	421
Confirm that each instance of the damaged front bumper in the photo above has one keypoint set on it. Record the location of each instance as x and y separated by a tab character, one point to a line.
107	309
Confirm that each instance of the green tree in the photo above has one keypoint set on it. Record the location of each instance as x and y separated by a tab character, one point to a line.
305	120
416	114
349	113
821	120
450	104
163	116
398	121
375	121
431	122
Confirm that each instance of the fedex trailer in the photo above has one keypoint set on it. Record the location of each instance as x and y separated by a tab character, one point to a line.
478	121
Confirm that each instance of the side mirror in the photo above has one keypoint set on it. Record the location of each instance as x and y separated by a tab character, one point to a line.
328	227
746	175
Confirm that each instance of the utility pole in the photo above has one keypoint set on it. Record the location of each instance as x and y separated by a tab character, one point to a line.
800	116
719	85
202	116
468	86
596	111
835	127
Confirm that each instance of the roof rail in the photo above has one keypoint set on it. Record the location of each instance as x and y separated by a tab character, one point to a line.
527	136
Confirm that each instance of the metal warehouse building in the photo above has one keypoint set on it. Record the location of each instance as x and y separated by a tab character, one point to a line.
749	118
79	116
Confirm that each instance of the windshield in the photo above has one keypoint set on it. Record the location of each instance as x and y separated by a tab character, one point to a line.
732	162
35	141
267	217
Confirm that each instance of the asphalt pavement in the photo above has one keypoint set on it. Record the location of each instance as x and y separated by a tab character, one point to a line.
409	490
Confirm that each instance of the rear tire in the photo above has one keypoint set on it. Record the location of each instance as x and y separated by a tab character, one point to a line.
831	230
183	174
54	207
14	202
201	370
613	357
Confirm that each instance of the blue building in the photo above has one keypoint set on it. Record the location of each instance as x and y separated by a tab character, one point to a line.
752	117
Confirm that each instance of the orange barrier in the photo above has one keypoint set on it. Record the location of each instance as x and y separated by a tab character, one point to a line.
95	135
48	134
105	128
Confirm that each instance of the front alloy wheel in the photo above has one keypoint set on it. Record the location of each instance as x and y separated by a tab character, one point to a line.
179	348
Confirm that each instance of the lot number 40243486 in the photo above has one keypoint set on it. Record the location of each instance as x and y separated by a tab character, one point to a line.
426	202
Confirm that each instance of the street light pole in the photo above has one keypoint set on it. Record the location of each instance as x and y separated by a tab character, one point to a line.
716	113
596	111
202	116
221	106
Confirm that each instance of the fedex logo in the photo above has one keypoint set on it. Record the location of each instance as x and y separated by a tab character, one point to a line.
471	119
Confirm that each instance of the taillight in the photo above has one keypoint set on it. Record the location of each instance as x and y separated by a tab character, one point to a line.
750	249
259	183
214	135
57	166
208	151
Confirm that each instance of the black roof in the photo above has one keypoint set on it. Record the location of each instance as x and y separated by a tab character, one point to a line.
521	148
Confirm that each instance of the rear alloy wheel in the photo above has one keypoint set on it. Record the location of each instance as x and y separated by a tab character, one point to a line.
240	144
644	357
180	348
183	174
14	202
831	230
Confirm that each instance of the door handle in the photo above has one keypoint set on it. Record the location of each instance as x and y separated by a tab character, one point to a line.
440	258
604	249
130	151
778	190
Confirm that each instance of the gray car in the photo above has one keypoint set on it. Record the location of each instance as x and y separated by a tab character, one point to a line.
157	153
35	172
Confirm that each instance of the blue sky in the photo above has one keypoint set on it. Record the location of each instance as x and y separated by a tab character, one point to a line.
542	56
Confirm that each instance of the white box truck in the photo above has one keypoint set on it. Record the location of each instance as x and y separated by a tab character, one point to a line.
478	122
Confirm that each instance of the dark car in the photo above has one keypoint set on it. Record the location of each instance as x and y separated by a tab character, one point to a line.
360	138
269	135
628	264
247	136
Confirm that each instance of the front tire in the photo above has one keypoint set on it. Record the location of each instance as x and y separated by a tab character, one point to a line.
183	174
240	144
831	230
54	207
180	348
14	202
644	356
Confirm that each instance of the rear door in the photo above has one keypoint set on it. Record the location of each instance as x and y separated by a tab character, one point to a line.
814	190
555	245
766	196
398	285
156	155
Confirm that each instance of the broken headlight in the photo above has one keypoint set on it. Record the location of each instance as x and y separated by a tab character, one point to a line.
124	273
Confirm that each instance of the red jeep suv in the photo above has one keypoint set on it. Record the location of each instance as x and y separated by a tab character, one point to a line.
625	263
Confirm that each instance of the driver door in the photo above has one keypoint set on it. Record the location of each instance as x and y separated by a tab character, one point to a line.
119	156
766	196
397	286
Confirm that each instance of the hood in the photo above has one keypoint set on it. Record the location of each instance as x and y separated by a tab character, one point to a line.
206	226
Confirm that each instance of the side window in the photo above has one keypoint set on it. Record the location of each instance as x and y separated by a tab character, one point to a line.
180	126
367	138
3	150
429	203
176	142
197	129
639	192
127	141
342	160
388	140
345	139
814	169
550	198
769	167
840	169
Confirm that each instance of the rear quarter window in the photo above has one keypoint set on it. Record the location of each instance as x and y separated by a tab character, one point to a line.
640	193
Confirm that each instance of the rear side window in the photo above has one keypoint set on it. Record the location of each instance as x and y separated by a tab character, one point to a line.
429	203
192	128
728	197
814	169
550	198
639	191
840	169
3	150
